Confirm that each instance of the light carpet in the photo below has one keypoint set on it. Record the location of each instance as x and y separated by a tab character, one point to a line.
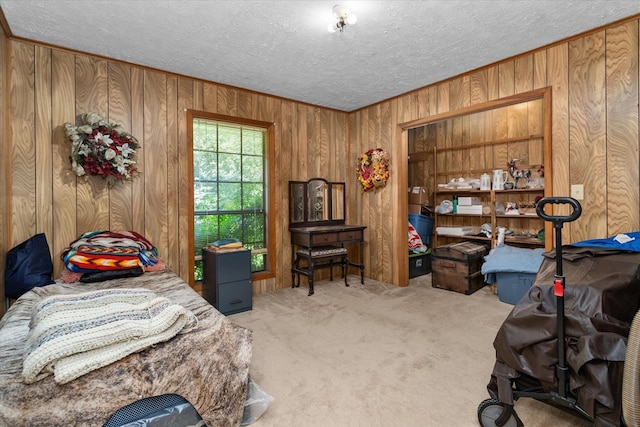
379	355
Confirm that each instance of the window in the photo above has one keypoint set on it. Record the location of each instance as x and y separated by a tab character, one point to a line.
231	186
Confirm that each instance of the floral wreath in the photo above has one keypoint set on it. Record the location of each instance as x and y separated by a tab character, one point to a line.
373	169
97	148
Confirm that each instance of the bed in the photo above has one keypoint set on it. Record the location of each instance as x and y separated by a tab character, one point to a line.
208	366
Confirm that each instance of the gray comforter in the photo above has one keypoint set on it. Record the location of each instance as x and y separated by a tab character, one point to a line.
209	366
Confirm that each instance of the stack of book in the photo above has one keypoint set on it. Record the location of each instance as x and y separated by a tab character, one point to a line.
225	245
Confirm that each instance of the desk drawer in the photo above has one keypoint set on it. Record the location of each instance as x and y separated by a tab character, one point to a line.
345	236
318	239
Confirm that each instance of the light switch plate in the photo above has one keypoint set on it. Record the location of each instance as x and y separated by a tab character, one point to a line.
577	191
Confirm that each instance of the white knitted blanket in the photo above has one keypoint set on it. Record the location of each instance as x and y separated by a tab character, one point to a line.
71	335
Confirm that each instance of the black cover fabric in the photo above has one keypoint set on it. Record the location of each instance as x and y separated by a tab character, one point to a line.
602	295
28	266
100	276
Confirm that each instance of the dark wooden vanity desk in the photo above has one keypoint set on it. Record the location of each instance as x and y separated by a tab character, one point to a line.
317	223
323	235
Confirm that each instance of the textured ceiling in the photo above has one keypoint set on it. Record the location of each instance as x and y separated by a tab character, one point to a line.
283	47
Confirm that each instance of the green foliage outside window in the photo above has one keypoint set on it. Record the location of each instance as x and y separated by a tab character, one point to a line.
229	188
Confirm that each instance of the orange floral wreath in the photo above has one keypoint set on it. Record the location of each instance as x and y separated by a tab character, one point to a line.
373	169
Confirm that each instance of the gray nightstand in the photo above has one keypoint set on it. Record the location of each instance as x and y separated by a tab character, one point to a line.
226	281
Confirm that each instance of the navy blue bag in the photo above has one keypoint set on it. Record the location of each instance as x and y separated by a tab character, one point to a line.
28	265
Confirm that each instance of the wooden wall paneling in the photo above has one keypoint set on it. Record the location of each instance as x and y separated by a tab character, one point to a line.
587	131
395	250
535	125
622	128
185	261
523	73
500	132
5	161
443	98
478	155
283	174
44	142
299	157
227	101
433	99
345	172
354	201
457	157
312	149
506	76
493	82
209	99
138	183
458	93
23	152
373	198
64	180
326	167
487	118
478	87
263	108
205	96
517	127
540	69
120	194
245	104
442	158
389	138
92	95
173	177
156	168
558	80
406	107
423	102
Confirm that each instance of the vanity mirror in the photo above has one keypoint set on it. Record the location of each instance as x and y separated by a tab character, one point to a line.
316	202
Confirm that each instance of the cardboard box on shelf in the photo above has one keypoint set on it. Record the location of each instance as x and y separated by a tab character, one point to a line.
418	196
415	209
469	201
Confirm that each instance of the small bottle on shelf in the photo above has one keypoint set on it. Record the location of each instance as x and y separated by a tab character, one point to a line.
455	204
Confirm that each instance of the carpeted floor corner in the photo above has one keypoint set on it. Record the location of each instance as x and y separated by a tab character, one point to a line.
379	355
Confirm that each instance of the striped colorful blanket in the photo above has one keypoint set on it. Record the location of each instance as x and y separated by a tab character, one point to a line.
71	335
110	250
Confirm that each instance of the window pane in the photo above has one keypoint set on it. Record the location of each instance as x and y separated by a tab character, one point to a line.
230	196
205	165
253	142
230	167
205	196
258	262
229	139
231	226
205	230
205	135
254	228
252	169
252	197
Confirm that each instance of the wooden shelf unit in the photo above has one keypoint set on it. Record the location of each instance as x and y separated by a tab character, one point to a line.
521	222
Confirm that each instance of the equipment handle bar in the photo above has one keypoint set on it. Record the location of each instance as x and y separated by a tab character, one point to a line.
559	219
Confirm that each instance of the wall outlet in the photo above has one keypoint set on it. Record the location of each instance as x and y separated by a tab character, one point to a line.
577	191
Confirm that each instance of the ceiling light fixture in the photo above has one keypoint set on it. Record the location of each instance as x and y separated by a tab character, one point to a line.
343	17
